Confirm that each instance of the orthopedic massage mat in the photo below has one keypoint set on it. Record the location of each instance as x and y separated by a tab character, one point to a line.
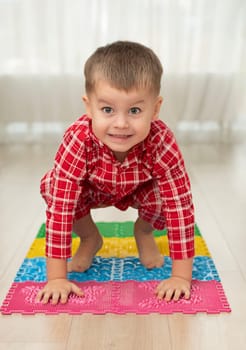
117	282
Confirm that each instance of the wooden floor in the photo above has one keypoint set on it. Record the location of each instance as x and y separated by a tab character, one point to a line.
218	175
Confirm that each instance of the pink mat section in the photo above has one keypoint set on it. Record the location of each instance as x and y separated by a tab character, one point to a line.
118	298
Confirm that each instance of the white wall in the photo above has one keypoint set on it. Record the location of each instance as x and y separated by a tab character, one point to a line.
44	44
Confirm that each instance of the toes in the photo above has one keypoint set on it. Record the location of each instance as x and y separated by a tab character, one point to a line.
150	264
72	267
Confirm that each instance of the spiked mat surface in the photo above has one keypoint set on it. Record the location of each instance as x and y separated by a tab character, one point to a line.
117	282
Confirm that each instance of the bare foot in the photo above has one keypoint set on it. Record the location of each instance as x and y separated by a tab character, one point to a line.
88	248
90	243
149	254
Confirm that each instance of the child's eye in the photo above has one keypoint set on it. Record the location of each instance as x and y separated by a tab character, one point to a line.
107	110
134	110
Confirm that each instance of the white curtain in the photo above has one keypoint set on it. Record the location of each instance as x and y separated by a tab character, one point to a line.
44	44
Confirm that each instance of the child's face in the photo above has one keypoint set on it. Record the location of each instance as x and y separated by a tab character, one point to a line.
121	119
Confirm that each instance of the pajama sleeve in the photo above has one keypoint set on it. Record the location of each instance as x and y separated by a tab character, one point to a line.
175	191
61	188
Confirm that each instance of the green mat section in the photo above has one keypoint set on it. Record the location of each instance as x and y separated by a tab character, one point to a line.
116	229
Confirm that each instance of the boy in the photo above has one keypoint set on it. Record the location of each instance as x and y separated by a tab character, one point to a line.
119	154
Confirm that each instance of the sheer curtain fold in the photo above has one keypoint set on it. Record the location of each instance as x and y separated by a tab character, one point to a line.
44	44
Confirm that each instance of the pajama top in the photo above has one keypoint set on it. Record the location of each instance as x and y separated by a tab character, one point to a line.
83	159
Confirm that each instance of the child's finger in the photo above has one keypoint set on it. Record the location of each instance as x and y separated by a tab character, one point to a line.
64	298
76	290
159	287
39	296
160	293
42	296
187	294
169	294
55	298
46	297
177	294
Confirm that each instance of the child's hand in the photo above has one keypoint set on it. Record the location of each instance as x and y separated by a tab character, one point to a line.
173	288
58	290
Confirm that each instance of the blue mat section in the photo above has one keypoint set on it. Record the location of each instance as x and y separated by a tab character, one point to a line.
117	269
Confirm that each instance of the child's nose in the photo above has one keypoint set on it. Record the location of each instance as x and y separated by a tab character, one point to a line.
121	121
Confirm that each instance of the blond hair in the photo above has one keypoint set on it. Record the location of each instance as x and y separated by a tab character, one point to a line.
125	65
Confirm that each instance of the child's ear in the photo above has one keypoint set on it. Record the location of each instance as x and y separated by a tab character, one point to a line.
157	108
87	105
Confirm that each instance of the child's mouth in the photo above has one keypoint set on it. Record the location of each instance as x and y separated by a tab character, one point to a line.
120	136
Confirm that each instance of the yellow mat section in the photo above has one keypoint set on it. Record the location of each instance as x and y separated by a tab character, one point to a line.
118	247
